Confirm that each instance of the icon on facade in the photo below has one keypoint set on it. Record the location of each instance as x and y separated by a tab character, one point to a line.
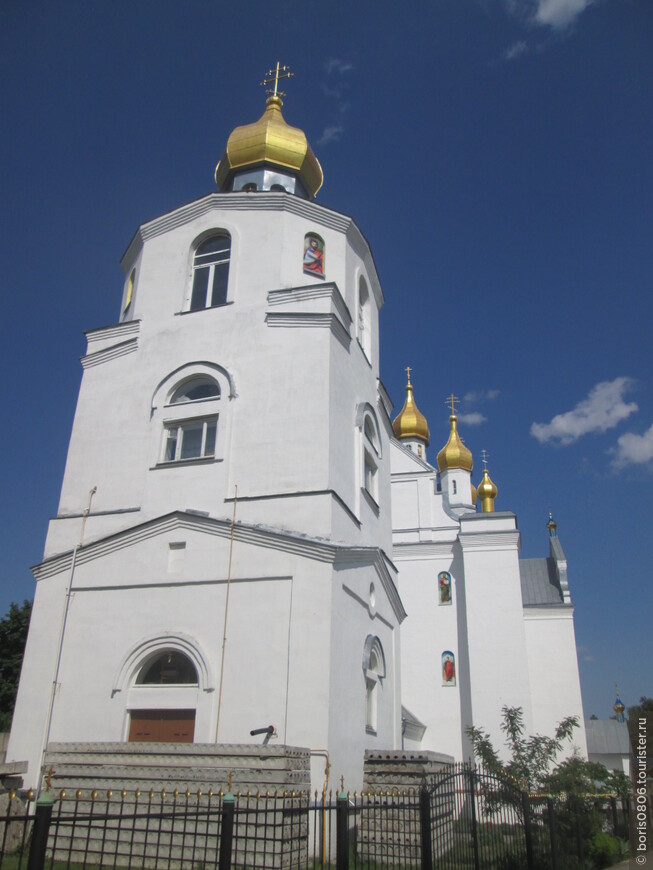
313	255
444	587
448	668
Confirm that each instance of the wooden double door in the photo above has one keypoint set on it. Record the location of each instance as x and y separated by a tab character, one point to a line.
162	726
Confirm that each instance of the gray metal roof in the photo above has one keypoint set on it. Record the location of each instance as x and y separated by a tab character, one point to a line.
539	582
607	737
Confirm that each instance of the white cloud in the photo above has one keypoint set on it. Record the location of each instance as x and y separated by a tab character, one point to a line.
475	396
339	66
603	409
472	419
556	14
559	14
633	449
517	49
331	134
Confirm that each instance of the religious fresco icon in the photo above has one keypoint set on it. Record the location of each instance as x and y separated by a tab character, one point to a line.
313	255
444	587
448	668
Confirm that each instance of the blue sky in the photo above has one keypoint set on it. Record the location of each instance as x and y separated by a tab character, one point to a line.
497	156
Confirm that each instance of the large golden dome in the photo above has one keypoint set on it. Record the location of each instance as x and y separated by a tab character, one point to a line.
454	454
409	422
271	141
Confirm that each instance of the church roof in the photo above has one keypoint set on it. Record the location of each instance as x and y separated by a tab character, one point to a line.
607	737
539	582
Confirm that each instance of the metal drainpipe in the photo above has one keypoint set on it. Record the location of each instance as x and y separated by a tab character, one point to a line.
325	754
55	682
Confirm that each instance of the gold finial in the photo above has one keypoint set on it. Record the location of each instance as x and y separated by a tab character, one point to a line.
342	783
229	780
48	779
451	401
408	371
484	456
273	75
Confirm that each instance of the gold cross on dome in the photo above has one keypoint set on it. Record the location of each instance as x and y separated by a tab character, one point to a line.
484	455
273	75
451	401
408	371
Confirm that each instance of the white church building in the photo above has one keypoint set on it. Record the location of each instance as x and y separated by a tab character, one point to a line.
246	538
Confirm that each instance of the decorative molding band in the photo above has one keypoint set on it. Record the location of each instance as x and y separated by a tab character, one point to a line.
109	513
422	550
109	353
499	540
314	291
296	320
302	494
114	330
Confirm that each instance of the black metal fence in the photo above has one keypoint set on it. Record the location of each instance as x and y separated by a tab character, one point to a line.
462	818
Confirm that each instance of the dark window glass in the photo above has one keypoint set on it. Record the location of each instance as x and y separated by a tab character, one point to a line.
211	273
169	667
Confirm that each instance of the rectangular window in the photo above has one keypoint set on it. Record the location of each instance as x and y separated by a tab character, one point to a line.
192	439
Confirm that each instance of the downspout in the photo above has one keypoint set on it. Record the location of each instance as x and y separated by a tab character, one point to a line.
55	681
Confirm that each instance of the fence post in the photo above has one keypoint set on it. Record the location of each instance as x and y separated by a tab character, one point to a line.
615	823
425	827
552	833
42	819
527	830
472	798
342	831
226	831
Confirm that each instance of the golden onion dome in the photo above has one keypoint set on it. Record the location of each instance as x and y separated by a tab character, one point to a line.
454	454
271	140
474	493
409	422
487	492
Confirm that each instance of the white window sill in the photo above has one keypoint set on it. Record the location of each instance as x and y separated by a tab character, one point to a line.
202	460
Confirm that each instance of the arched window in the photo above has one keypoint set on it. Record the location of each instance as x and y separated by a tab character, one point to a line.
211	272
371	456
130	289
364	331
314	251
194	437
374	671
168	668
194	390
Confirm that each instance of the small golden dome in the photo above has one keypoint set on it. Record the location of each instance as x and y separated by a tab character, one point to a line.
409	422
454	454
271	140
487	492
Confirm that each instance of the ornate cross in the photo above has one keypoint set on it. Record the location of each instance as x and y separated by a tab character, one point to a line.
451	401
408	371
484	455
273	75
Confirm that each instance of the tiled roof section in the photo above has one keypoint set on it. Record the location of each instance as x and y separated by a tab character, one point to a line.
607	737
539	582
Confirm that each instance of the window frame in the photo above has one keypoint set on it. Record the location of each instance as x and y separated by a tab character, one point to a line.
211	268
189	424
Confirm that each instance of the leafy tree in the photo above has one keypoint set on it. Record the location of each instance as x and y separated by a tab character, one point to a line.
574	784
530	757
13	636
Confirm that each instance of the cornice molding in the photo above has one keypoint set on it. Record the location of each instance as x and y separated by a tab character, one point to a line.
329	291
422	550
109	353
113	330
488	540
295	320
